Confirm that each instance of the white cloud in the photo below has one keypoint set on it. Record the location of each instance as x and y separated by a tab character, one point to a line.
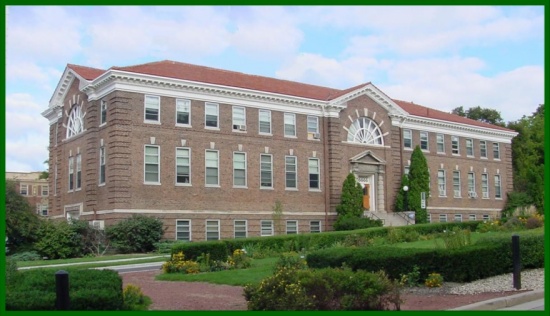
26	154
23	118
30	72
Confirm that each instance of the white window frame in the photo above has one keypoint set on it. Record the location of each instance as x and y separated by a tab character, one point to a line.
103	113
47	187
486	217
43	207
455	145
239	125
496	151
178	164
291	230
208	225
268	121
483	149
457	187
149	105
217	184
472	184
102	165
78	180
266	228
315	172
313	128
315	226
484	185
440	143
245	185
443	218
469	147
406	170
263	170
71	174
472	217
424	140
238	227
209	109
188	225
458	218
429	217
25	191
294	172
181	104
442	185
407	139
498	186
289	120
145	163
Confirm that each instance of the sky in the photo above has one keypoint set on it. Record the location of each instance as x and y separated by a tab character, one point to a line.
441	57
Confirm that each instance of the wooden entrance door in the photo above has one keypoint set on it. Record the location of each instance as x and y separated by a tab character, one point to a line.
366	196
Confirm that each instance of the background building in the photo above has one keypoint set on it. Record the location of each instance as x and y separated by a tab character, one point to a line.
34	189
211	151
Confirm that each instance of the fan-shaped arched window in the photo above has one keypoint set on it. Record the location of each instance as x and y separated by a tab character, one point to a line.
75	123
365	131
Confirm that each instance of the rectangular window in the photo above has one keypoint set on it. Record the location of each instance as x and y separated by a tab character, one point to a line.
455	145
496	151
71	173
211	113
484	186
103	116
440	139
266	228
291	227
183	229
458	217
483	149
102	165
290	124
24	189
212	230
265	121
183	112
469	147
315	226
498	193
78	171
183	165
471	185
152	164
429	217
239	169
486	217
472	217
442	218
407	170
441	183
407	138
424	140
290	169
152	109
241	229
44	210
45	190
313	127
456	184
266	171
313	167
239	118
212	168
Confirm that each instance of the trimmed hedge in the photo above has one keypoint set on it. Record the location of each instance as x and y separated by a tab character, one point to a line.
220	249
464	264
88	290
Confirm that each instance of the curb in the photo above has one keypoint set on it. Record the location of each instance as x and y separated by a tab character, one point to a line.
503	302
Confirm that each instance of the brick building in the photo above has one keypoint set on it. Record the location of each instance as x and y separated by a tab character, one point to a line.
34	189
211	151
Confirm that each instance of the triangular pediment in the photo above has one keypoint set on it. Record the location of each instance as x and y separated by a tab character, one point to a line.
367	157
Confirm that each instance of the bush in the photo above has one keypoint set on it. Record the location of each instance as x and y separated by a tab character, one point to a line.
178	264
134	298
26	256
456	238
291	260
137	234
534	221
11	272
218	250
434	280
59	240
89	290
354	223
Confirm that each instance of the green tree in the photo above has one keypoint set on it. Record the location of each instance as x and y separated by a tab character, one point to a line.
528	157
59	240
478	113
351	204
419	179
399	205
44	174
21	220
135	234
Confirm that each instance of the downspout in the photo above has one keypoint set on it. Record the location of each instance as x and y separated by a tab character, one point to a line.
326	166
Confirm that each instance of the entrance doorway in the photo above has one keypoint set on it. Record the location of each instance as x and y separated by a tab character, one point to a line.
367	183
366	196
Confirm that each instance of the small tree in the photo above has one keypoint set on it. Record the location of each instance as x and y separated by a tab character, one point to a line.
135	234
419	179
351	204
399	205
21	220
278	217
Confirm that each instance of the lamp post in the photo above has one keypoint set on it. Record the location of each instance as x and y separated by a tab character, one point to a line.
406	202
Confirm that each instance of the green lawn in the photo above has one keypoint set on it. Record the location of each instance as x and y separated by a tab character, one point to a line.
260	269
141	258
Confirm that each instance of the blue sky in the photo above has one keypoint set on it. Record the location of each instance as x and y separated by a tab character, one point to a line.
438	56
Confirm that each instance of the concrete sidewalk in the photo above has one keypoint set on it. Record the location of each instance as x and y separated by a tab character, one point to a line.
93	262
513	302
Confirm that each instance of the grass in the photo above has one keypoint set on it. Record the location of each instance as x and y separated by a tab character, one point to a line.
140	258
260	269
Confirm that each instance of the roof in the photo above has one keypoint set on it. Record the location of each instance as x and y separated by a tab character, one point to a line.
184	71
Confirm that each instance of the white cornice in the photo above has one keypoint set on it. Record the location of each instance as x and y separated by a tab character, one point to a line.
63	87
457	129
374	93
53	114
